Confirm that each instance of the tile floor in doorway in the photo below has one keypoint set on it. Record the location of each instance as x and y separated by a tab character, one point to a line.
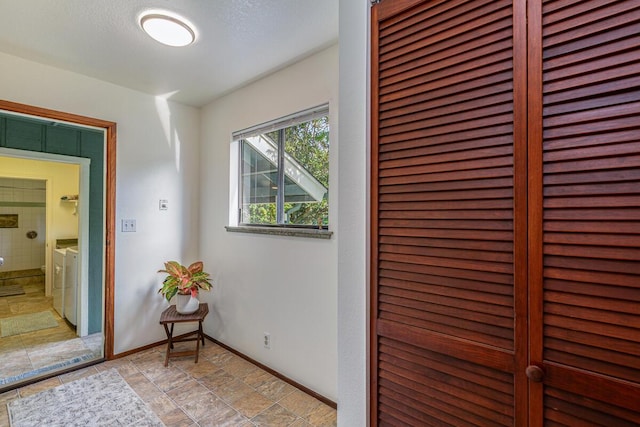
25	355
222	389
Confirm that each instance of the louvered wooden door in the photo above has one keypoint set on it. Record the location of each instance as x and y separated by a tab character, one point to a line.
588	218
505	213
443	234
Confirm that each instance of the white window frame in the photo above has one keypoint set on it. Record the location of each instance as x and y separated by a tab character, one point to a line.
289	168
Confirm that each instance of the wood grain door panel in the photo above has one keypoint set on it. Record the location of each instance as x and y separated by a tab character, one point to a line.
444	224
590	224
505	224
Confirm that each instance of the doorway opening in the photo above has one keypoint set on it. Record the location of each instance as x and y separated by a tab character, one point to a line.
43	288
95	158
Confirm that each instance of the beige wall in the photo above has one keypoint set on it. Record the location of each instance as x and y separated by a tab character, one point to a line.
353	265
282	285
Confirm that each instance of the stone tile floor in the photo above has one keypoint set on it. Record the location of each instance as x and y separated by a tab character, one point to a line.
222	389
24	354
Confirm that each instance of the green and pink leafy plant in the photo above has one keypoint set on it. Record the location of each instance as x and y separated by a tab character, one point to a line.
184	280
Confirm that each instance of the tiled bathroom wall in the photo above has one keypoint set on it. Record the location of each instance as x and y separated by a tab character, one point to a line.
27	199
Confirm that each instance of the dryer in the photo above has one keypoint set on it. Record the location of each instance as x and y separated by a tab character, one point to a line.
58	280
71	285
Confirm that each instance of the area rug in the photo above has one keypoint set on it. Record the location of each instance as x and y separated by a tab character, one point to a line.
11	290
104	399
27	323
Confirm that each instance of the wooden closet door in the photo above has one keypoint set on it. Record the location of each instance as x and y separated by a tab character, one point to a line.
506	213
585	209
449	335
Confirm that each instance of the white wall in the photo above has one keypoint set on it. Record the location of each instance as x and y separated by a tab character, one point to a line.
282	285
353	207
157	158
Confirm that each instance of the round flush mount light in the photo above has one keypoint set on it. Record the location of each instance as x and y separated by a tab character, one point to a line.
167	28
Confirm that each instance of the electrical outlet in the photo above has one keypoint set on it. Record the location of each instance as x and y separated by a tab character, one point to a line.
267	340
128	225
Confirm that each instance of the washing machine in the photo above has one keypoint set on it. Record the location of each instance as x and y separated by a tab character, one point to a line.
71	285
58	280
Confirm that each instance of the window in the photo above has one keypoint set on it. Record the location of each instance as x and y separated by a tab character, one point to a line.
284	171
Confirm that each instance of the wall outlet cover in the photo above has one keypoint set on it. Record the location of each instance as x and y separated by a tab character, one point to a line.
267	340
128	225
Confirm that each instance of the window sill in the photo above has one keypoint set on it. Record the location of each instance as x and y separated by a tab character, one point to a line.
277	231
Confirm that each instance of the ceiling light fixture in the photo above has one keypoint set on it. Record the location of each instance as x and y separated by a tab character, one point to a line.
167	29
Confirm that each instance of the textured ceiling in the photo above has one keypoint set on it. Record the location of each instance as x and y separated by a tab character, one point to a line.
238	41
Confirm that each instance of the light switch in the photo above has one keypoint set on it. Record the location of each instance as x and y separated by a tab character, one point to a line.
164	205
128	225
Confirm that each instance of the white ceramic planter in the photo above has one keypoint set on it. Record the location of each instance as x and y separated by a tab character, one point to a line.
186	304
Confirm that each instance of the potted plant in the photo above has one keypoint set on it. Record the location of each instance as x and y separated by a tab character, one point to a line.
184	283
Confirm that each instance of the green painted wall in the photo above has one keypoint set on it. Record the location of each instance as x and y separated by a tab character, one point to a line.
47	137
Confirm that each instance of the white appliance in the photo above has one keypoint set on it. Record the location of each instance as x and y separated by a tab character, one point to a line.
58	280
71	285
